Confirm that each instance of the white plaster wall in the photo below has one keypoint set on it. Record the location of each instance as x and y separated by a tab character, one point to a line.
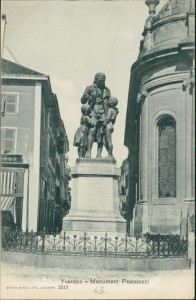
34	172
25	200
167	99
144	152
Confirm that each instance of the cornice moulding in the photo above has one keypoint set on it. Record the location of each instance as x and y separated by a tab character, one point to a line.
165	79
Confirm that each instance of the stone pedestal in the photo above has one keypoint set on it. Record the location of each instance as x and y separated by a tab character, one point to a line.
95	199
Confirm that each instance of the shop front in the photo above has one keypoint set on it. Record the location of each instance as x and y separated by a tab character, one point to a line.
14	191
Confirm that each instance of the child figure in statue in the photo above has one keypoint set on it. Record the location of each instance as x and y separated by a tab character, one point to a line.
81	135
108	124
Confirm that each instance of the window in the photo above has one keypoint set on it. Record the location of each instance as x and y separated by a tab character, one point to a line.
167	158
2	103
9	103
8	142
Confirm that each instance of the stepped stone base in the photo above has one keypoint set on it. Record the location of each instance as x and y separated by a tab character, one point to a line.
95	199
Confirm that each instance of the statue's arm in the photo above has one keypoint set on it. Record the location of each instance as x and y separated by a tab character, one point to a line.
113	118
108	117
86	96
89	122
108	94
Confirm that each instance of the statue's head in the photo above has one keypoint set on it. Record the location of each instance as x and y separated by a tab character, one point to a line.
86	109
112	101
100	80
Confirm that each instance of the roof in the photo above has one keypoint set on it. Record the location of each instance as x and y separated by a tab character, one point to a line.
11	68
173	7
170	28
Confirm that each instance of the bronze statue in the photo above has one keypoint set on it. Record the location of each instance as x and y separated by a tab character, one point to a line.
110	119
99	120
81	135
96	95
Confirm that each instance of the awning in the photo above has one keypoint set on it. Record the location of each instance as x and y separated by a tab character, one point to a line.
7	182
9	203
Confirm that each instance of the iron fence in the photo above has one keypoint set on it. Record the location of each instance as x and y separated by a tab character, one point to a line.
147	246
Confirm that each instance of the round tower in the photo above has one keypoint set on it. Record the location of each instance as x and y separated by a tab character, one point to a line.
160	121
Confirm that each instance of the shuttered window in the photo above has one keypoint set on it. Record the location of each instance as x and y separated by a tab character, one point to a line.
8	140
2	103
9	103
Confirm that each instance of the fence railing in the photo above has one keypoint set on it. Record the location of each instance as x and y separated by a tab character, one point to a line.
148	246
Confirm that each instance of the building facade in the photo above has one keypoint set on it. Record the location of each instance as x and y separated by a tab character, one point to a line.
160	128
34	171
124	193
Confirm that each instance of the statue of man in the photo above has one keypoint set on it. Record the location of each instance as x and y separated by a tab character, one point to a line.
97	95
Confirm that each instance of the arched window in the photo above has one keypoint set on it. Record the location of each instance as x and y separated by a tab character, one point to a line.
167	157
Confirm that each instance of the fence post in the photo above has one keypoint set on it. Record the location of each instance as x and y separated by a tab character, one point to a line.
15	239
158	244
43	240
64	241
85	243
95	247
74	243
126	243
54	242
31	237
136	244
20	239
26	239
147	249
168	245
105	249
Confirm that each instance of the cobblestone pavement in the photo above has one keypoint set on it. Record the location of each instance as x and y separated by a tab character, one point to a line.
25	282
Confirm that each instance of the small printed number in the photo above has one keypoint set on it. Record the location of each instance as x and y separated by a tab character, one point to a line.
99	290
63	287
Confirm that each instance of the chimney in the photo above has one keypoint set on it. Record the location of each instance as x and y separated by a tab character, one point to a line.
3	27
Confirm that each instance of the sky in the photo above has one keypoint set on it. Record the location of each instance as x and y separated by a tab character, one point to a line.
70	41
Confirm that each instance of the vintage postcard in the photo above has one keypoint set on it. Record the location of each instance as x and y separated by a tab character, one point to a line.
97	149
